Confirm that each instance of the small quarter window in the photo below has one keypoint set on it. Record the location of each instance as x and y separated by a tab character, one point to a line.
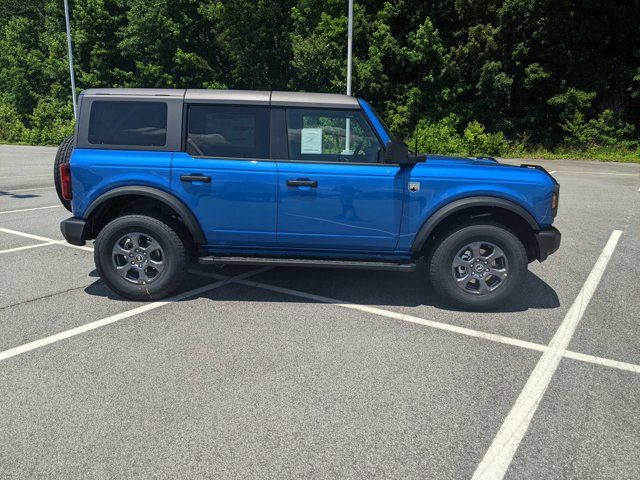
331	136
141	124
228	131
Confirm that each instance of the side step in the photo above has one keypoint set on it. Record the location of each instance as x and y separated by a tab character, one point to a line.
304	262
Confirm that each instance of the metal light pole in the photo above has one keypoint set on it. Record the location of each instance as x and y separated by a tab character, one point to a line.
347	145
73	77
349	46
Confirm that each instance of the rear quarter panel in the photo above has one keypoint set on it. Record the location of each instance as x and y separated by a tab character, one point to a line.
96	171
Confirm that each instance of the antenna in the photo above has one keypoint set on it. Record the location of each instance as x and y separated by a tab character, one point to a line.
415	129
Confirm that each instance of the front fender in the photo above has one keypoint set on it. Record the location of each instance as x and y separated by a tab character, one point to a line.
457	205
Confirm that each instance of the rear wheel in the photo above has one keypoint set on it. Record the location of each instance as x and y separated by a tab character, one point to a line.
478	266
62	156
141	257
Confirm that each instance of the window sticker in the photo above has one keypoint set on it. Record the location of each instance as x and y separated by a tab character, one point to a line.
311	141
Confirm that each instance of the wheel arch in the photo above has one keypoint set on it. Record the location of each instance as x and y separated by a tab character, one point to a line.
119	196
504	211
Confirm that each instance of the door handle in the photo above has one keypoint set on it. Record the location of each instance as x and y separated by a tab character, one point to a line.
195	178
302	183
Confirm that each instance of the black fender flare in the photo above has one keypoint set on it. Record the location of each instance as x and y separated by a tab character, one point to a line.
443	212
171	201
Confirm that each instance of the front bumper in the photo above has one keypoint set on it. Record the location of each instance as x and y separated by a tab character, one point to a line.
73	230
548	242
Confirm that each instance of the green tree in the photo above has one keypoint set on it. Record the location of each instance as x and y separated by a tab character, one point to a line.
543	72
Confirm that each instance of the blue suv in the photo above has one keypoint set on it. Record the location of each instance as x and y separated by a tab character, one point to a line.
160	178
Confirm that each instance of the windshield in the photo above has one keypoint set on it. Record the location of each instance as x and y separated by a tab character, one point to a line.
378	123
384	125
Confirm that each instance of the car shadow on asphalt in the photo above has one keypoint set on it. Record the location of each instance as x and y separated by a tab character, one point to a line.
17	195
382	289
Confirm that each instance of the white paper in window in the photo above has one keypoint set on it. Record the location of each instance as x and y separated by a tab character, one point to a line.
311	141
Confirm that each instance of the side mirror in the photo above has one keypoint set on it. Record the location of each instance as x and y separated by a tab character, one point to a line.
396	152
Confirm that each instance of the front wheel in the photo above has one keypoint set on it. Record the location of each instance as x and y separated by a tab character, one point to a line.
478	266
141	257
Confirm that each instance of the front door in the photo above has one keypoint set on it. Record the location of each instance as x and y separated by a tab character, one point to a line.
335	195
225	176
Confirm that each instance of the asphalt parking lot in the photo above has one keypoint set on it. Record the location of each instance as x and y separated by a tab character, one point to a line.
290	373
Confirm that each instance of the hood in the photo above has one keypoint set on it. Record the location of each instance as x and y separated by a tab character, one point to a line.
463	160
478	167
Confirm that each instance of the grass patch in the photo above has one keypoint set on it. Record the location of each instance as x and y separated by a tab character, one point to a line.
602	154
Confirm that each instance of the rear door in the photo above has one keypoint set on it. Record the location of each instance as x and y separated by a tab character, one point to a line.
225	175
334	192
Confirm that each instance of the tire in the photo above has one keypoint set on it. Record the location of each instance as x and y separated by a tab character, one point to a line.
162	257
63	155
484	276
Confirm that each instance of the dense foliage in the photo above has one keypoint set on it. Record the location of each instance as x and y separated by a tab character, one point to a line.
453	76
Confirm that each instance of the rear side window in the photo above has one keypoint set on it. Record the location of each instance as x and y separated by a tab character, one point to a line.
140	124
228	131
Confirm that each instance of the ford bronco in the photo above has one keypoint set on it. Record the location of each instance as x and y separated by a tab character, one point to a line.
160	178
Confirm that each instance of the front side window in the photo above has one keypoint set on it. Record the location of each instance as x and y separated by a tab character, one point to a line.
141	124
331	136
228	131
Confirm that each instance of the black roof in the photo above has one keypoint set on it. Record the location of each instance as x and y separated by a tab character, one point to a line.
248	97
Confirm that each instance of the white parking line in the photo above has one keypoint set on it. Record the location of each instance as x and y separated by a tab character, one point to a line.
430	323
377	311
27	176
386	313
496	461
17	249
27	189
27	347
26	235
553	171
606	362
30	209
45	239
